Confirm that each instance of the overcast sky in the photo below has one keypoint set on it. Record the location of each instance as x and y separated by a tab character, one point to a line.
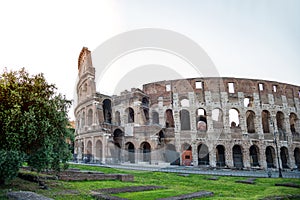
250	38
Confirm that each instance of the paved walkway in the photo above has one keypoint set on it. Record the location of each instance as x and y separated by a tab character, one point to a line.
196	170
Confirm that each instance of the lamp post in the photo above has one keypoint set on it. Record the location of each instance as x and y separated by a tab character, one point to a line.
276	146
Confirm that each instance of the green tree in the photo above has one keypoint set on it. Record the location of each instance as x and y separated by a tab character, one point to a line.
33	124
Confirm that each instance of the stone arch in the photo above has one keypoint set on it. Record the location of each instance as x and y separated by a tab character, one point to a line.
217	118
254	156
234	118
90	117
169	118
146	152
294	124
220	156
130	115
118	138
281	125
187	156
250	119
82	121
201	119
284	156
265	119
185	120
155	117
130	152
203	155
118	118
145	108
88	156
171	155
107	110
99	150
297	157
270	157
237	155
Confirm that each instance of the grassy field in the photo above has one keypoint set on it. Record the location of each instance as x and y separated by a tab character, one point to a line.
223	188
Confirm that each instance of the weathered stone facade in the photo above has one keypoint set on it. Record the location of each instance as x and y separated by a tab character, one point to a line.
216	122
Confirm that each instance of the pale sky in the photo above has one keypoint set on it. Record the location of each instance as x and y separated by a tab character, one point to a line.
247	39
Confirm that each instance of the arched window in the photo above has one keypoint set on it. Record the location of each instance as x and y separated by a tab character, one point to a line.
217	118
265	117
117	118
130	115
169	118
294	123
234	118
107	110
281	125
90	117
203	155
297	157
99	150
201	120
145	107
254	156
237	156
284	155
146	148
130	157
220	156
185	119
250	117
270	157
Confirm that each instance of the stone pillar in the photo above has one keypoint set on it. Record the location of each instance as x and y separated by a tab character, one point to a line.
228	156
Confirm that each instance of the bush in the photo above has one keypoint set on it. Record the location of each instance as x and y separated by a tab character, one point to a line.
10	162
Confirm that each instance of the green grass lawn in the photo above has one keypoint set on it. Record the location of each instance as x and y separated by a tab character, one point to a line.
223	188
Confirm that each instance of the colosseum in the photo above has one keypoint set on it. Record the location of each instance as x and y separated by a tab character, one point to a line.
205	122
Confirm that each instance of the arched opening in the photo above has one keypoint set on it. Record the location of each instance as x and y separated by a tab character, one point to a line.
118	137
88	156
161	136
201	120
203	155
297	157
265	117
237	156
130	157
248	101
90	117
284	156
234	118
99	150
294	124
117	118
169	119
82	120
155	117
145	107
130	115
254	156
187	157
146	148
107	110
281	125
270	157
217	118
220	156
250	117
171	155
185	120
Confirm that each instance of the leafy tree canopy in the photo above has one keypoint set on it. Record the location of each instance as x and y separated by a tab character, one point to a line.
33	122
